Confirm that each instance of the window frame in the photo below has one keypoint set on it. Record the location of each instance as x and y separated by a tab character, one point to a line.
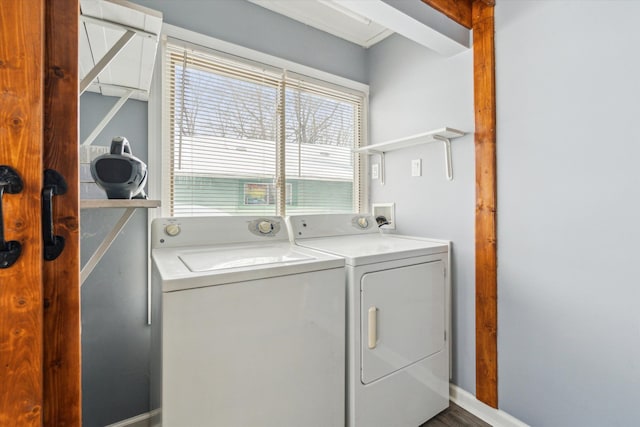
159	158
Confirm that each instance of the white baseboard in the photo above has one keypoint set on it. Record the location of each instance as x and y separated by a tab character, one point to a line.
486	413
460	397
141	420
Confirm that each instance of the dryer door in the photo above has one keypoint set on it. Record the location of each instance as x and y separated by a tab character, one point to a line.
402	317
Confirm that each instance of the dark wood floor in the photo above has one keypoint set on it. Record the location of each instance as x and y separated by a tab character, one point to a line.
455	416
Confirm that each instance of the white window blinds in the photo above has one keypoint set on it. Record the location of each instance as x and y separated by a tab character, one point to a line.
249	139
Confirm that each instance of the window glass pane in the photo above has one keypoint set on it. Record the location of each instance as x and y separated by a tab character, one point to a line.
227	120
320	136
223	138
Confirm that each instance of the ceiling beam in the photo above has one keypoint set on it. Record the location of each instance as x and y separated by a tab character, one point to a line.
458	10
423	25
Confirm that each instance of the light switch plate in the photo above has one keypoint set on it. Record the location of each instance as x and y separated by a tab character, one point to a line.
375	171
416	167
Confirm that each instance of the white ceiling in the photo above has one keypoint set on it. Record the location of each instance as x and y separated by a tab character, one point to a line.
366	22
331	17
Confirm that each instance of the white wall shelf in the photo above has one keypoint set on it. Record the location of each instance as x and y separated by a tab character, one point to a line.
444	135
118	44
130	207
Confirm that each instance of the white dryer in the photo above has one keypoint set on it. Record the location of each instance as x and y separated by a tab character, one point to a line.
397	318
247	329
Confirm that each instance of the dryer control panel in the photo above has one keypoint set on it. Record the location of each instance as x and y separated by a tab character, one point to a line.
325	225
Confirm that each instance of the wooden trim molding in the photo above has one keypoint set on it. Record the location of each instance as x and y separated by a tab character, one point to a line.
458	10
486	198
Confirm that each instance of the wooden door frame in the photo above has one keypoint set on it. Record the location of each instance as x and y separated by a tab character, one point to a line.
478	16
62	342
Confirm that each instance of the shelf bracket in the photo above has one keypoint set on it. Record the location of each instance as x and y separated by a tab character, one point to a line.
117	26
105	121
106	243
447	155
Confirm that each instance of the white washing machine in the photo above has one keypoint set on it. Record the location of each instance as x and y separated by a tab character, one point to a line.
248	330
398	298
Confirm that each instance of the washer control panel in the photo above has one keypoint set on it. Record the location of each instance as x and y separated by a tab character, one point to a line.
175	232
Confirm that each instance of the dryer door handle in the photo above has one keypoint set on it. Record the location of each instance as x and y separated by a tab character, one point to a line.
373	327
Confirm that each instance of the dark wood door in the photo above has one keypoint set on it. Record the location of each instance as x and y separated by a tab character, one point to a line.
21	130
39	300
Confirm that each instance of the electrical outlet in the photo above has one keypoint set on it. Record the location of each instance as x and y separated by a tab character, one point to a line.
416	167
375	171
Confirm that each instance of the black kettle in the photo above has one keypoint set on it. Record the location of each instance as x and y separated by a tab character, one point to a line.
120	174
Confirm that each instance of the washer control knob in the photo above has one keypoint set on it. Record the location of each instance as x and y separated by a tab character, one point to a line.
265	227
362	222
172	230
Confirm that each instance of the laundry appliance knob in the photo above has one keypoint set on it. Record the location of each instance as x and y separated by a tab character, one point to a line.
172	230
265	227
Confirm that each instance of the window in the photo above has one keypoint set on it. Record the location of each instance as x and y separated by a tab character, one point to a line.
246	138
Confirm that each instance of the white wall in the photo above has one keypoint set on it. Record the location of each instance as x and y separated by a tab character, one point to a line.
568	99
414	90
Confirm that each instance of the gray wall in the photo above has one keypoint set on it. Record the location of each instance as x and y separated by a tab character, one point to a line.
252	26
568	104
115	338
414	90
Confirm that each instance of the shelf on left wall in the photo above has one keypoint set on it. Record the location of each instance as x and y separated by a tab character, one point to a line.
130	207
118	203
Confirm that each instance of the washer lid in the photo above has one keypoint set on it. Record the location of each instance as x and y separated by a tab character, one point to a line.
220	258
200	266
373	248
